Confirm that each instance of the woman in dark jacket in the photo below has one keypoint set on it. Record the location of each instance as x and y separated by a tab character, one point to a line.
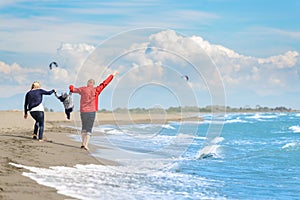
33	104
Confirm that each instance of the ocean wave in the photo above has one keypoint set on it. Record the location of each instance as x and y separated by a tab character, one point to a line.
295	129
228	121
168	126
261	116
104	128
115	132
282	114
292	146
213	122
238	120
122	182
186	122
200	137
211	150
217	140
248	142
208	151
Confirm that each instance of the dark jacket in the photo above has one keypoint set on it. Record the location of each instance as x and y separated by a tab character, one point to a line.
34	98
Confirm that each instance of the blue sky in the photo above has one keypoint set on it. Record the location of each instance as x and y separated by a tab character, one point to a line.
259	65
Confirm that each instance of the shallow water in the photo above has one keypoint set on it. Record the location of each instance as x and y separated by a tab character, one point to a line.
257	156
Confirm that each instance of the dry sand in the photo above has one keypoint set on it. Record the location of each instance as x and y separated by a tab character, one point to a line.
17	146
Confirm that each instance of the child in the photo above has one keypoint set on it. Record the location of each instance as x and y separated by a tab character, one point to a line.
67	101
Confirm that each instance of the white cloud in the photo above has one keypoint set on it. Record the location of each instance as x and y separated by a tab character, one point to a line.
15	74
71	59
286	60
5	68
74	54
164	56
264	76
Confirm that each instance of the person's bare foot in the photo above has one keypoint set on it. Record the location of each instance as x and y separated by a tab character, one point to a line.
86	148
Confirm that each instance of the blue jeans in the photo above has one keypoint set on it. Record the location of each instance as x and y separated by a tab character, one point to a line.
87	120
38	116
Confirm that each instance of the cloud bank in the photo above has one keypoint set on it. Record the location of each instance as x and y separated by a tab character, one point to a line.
264	76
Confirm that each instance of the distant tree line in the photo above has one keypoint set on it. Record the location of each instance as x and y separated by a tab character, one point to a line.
195	109
48	109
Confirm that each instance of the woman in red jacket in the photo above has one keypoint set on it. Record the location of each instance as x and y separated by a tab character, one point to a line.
89	105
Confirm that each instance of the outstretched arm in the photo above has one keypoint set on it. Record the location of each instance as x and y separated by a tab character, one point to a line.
73	89
44	92
102	85
55	93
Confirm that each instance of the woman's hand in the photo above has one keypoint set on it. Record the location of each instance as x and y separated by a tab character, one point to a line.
115	73
25	116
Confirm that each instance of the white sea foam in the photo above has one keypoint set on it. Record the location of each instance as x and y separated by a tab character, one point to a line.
122	182
186	122
208	151
228	121
217	140
200	138
295	129
291	146
282	114
269	116
238	120
216	122
104	128
262	116
211	150
115	132
248	142
256	116
168	126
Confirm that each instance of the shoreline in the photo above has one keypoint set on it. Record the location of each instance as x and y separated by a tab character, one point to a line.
17	146
59	149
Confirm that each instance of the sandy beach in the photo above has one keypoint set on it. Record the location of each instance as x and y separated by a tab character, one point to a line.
18	147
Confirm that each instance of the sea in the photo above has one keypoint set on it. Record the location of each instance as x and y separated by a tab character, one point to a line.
253	156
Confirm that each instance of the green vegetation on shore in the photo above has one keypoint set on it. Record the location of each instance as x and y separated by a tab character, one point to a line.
194	109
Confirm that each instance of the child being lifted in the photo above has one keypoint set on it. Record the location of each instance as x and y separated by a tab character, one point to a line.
66	99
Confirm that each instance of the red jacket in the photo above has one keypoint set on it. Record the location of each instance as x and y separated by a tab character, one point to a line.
89	95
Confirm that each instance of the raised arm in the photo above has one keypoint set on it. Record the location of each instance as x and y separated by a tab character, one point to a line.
102	85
